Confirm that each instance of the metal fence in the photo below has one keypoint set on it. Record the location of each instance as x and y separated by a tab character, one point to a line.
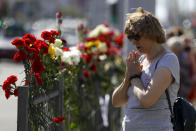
51	104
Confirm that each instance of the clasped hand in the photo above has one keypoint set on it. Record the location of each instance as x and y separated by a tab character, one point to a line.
133	65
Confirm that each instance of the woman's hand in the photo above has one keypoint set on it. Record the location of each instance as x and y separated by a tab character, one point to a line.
133	65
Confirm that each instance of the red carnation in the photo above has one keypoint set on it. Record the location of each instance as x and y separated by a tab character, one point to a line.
58	120
52	40
37	44
106	24
80	27
5	85
66	49
12	79
40	44
19	56
53	32
90	39
113	51
18	42
58	14
38	78
16	92
34	50
46	35
64	41
44	48
27	42
37	66
119	39
87	57
86	74
7	94
32	38
93	68
85	32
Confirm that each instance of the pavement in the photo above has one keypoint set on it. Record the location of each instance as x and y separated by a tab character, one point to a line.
8	108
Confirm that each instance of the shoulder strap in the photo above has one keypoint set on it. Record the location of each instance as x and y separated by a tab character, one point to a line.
166	91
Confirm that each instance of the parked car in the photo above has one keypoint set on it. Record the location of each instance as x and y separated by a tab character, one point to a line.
68	28
7	50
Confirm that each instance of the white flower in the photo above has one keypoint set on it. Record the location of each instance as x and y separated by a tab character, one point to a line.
99	29
102	47
71	57
102	57
58	52
58	43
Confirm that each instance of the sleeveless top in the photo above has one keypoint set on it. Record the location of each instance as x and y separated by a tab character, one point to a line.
156	117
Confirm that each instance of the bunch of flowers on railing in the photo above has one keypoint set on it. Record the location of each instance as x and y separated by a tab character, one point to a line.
98	44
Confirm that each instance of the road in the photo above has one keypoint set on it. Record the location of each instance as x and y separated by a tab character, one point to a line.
8	108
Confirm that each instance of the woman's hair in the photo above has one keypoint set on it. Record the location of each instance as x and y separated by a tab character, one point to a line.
144	23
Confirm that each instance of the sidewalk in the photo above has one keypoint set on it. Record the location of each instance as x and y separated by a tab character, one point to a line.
8	108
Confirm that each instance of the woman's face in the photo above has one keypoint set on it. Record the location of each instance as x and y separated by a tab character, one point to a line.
143	44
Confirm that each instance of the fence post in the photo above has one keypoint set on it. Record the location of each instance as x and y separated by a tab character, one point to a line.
22	116
59	105
61	102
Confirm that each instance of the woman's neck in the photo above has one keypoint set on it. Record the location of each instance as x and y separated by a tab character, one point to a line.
155	52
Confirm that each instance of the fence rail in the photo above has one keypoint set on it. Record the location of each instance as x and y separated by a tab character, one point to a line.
23	106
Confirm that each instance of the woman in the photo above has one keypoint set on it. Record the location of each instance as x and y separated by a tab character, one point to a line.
143	87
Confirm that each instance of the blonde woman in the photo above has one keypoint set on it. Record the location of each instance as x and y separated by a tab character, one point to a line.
147	76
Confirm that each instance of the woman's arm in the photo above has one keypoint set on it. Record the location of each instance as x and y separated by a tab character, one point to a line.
161	80
119	96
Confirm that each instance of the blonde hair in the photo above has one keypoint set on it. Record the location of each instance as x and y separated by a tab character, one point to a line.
145	24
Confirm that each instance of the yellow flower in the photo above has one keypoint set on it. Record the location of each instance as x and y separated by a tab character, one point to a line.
97	43
89	44
51	51
118	61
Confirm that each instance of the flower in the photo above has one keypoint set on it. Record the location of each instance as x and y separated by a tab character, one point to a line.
12	79
38	78
93	68
58	14
58	43
119	39
46	35
7	85
86	74
102	47
51	51
71	57
29	37
99	29
19	56
58	52
16	92
37	65
58	120
18	42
